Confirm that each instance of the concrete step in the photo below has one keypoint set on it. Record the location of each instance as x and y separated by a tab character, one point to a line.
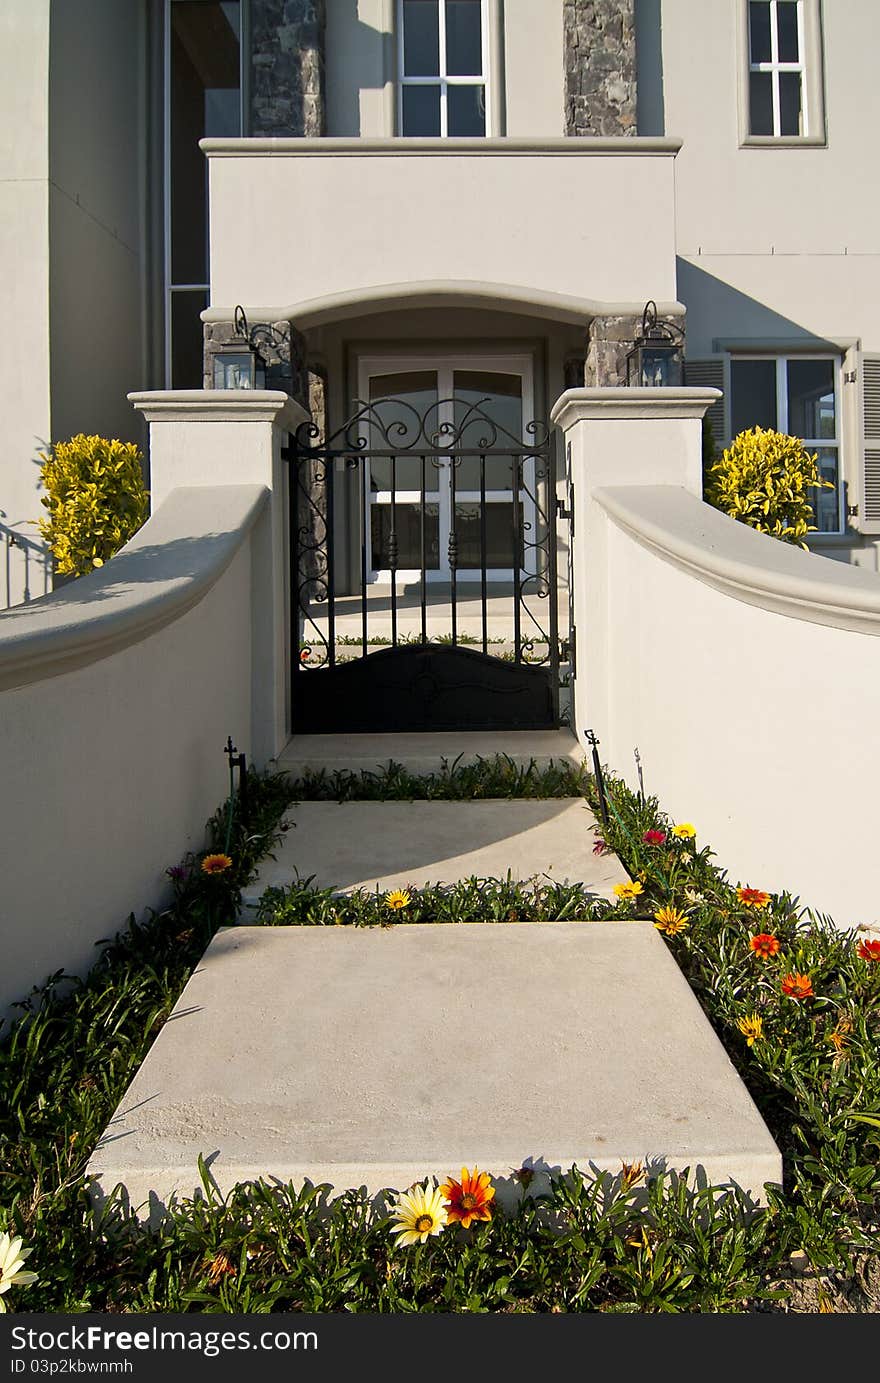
424	753
384	845
379	1056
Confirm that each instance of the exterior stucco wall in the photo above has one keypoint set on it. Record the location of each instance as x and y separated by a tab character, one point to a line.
112	767
96	215
24	256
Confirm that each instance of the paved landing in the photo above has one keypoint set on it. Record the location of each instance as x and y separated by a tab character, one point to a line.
387	845
378	1056
424	753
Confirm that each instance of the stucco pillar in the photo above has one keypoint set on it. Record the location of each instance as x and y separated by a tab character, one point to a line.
600	67
210	437
287	68
612	437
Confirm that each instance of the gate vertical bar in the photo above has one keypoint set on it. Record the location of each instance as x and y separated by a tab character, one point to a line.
424	556
392	551
453	551
518	539
329	523
552	575
484	593
365	516
295	560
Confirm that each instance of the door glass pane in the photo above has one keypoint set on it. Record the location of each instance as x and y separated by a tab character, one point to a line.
205	100
789	103
787	32
753	394
464	48
400	401
759	31
499	396
421	110
421	38
408	530
811	410
760	103
466	110
826	503
500	538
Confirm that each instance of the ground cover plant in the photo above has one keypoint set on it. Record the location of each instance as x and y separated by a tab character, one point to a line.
795	1001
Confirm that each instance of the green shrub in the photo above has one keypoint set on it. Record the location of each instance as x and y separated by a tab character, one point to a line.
763	479
96	500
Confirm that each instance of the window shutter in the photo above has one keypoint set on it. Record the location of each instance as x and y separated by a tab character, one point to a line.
869	498
709	374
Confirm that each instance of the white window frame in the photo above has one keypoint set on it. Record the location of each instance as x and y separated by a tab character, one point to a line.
812	444
445	366
444	79
810	67
169	286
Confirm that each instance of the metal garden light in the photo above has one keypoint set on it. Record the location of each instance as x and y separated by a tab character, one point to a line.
657	357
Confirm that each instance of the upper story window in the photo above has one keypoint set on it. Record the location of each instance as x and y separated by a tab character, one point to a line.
776	68
442	67
782	72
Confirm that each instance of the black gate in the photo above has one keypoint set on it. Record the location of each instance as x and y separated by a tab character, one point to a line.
441	528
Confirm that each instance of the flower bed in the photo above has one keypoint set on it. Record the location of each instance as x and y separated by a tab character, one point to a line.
796	1002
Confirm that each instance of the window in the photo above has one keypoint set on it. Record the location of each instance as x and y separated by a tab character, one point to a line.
776	68
442	66
797	395
782	72
203	96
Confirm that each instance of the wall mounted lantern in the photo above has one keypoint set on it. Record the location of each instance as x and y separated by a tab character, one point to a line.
657	357
239	366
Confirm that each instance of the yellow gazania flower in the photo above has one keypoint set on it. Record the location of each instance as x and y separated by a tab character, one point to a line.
216	864
420	1213
630	890
751	1027
12	1256
684	831
398	898
670	921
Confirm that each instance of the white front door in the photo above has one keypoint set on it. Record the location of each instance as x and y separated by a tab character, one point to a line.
438	513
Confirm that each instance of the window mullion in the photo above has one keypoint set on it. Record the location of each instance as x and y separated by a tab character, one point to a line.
444	113
805	118
782	394
774	76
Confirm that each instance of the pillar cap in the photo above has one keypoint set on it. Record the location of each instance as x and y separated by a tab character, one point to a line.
582	405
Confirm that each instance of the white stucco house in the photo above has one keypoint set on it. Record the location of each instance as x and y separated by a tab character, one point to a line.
421	223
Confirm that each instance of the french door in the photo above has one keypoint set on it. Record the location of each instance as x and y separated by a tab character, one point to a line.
430	515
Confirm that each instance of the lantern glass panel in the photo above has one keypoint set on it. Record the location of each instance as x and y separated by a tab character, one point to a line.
237	370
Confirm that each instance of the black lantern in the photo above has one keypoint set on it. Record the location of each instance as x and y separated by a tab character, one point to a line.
657	357
239	366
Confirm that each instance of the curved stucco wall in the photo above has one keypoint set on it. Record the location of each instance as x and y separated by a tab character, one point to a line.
119	693
746	674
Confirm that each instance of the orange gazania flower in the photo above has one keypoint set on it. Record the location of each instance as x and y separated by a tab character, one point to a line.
753	897
868	950
764	944
797	986
469	1199
216	864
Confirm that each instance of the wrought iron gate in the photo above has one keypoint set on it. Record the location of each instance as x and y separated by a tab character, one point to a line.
437	520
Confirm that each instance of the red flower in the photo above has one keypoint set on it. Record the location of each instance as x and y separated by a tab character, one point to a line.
600	847
868	950
797	986
654	837
765	945
469	1199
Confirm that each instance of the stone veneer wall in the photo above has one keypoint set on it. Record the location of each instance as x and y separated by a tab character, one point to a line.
600	67
287	68
285	362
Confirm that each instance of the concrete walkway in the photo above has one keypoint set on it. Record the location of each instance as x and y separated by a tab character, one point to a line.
387	845
377	1057
424	753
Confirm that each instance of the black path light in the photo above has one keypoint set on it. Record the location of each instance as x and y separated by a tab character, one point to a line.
657	357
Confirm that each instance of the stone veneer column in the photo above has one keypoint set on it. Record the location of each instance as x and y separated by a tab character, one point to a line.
287	68
285	363
600	67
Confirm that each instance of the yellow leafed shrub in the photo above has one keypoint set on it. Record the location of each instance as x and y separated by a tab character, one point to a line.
96	500
763	479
